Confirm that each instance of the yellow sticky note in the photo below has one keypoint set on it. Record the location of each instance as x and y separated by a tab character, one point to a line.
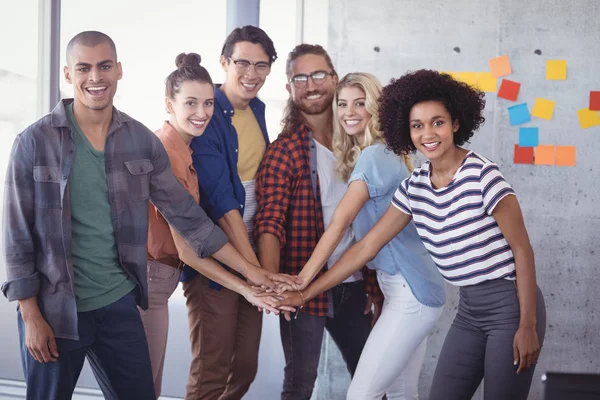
452	74
588	118
543	108
565	156
486	82
544	155
470	78
556	70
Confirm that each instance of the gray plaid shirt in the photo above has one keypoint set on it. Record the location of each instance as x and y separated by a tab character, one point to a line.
37	217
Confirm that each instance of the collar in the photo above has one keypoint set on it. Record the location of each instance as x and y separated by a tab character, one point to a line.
174	144
59	118
255	104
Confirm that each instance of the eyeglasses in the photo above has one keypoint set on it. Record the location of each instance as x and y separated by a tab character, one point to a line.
243	66
318	78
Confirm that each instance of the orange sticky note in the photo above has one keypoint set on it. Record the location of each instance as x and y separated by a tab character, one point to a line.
588	118
556	70
544	155
543	108
565	156
500	66
486	82
470	78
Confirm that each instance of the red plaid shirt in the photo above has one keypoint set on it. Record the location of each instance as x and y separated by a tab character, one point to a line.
288	208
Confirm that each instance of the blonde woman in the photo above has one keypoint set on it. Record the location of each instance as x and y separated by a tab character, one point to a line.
414	291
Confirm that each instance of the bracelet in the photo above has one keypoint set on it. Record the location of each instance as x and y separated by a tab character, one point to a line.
299	308
303	299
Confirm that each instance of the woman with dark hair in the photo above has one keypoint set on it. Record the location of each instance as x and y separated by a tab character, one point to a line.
189	99
470	222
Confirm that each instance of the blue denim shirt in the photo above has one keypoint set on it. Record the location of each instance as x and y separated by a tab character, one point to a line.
215	159
383	172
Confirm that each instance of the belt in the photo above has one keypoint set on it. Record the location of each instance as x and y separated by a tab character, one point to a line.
171	262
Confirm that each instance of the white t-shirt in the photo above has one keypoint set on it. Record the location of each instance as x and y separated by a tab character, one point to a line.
333	189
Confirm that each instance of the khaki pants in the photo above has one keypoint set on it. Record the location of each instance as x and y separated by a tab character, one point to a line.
225	335
162	282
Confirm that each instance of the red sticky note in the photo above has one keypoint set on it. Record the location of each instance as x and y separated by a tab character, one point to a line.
523	155
594	101
509	90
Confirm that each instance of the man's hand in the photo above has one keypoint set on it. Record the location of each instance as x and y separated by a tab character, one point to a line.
265	302
269	281
39	339
375	307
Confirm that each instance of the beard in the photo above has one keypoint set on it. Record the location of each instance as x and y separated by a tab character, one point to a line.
317	107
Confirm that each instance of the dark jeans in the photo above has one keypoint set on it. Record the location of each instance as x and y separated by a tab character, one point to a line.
302	337
479	345
114	342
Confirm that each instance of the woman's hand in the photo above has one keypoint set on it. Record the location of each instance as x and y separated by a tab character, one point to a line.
264	302
267	280
526	348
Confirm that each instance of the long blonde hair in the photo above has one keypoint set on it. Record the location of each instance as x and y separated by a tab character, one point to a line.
345	147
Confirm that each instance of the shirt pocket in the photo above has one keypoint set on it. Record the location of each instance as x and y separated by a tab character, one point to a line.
47	186
138	181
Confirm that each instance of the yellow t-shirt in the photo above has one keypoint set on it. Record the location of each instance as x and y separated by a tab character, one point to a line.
251	143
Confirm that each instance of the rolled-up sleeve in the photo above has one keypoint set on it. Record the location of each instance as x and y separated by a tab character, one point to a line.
18	219
177	206
273	192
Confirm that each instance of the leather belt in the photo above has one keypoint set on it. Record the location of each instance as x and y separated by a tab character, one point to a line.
171	262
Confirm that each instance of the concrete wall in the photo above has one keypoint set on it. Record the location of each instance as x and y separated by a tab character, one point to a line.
558	202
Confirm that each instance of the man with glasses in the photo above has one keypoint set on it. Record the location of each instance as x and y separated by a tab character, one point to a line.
224	328
296	191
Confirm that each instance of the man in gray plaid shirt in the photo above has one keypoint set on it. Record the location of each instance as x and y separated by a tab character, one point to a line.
75	231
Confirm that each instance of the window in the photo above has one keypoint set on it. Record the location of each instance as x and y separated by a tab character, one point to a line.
18	85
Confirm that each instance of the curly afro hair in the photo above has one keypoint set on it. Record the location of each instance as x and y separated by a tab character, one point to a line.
463	103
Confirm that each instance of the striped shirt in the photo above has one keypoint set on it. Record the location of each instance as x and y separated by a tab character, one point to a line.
456	222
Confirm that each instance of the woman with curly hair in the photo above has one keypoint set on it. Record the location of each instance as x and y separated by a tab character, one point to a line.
470	222
414	291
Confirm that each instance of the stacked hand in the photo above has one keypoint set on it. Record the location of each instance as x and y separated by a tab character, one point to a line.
266	290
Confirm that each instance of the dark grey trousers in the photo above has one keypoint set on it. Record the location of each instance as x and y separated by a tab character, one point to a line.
479	345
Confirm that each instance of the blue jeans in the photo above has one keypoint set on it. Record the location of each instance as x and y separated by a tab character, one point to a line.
114	342
302	337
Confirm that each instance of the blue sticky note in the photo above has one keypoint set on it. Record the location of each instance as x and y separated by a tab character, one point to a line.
528	137
519	114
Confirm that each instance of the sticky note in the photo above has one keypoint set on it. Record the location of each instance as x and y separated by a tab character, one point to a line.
509	90
486	82
470	78
544	155
519	114
565	156
594	101
528	137
452	74
523	155
556	70
543	108
588	118
500	66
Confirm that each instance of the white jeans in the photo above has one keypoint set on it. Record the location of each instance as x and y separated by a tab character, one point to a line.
391	360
